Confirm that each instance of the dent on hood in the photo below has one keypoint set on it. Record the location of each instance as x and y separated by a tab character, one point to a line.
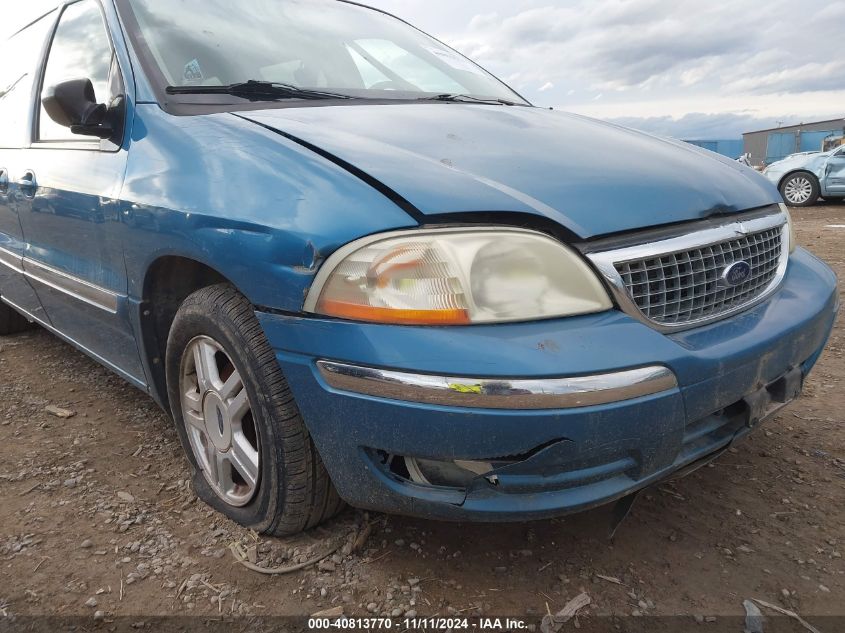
590	177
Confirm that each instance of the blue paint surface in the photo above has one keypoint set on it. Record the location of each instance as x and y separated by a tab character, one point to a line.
609	451
263	197
591	177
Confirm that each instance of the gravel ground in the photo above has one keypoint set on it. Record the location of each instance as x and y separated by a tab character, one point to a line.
98	519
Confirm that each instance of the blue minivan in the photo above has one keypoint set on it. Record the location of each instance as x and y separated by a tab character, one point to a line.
356	267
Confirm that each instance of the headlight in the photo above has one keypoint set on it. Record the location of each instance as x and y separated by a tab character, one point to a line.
793	242
456	277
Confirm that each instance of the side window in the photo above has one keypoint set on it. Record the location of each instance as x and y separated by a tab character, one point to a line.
81	49
20	56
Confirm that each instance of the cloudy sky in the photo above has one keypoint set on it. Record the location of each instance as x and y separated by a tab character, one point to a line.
684	68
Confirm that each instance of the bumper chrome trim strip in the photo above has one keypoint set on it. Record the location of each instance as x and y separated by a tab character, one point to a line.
499	393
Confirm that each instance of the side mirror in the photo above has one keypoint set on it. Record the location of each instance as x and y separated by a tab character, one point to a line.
72	104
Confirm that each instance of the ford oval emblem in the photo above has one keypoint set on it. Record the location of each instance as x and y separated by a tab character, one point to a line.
736	274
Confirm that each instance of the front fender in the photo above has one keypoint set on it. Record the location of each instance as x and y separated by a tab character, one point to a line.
258	208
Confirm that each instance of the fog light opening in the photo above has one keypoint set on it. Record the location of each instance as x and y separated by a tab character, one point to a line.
429	472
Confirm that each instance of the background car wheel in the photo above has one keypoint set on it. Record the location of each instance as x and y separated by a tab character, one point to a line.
252	456
800	189
12	322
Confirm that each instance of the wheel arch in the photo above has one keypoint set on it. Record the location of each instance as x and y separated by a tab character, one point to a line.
168	281
798	171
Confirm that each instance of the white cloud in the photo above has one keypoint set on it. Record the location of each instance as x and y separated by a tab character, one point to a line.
655	58
16	15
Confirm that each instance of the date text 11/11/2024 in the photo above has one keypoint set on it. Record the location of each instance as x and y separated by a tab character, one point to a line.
417	624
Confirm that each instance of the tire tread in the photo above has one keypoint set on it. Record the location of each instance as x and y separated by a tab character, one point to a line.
308	497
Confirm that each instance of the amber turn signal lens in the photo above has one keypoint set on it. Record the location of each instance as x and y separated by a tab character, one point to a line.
393	315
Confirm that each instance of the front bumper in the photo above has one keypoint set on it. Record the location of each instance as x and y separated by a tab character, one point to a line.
774	176
726	377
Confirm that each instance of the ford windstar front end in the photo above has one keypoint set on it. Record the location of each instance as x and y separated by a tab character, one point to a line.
357	267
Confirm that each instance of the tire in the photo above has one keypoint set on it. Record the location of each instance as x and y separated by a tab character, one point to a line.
270	478
800	189
11	322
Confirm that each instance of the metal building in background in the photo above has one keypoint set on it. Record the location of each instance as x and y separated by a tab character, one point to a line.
768	146
732	148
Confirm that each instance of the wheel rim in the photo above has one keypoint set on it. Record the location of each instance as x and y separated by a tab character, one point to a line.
798	190
219	423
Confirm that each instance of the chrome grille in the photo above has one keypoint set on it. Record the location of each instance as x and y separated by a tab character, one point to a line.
681	287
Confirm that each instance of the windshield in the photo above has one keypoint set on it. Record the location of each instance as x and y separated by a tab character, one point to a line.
323	45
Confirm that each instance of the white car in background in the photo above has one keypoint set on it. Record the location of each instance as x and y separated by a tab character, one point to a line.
806	177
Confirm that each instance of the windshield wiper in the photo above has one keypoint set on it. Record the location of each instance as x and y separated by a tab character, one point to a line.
258	90
458	98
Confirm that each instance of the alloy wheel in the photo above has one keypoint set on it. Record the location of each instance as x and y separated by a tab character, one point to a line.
218	421
798	190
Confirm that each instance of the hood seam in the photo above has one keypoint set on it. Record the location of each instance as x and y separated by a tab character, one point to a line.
375	183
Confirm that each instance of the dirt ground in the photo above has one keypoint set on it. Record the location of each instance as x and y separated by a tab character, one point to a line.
99	521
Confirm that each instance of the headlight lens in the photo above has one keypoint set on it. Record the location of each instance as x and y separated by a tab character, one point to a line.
456	277
793	242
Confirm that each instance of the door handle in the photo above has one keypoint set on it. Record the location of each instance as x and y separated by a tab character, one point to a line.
27	181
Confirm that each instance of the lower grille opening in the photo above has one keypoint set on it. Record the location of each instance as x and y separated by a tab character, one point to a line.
716	428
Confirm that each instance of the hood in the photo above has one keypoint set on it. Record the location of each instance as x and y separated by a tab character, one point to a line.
811	161
591	177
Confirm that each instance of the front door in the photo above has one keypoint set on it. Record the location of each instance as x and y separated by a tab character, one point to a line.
72	224
19	60
834	176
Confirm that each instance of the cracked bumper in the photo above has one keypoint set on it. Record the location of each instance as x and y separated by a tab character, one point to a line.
728	375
